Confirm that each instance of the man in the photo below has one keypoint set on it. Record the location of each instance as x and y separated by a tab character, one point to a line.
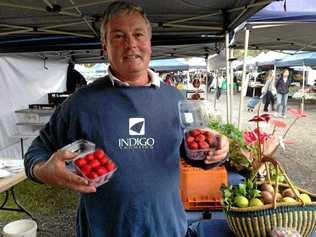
282	88
142	198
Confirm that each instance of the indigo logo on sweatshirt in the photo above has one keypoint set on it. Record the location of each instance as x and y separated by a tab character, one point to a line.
136	126
136	139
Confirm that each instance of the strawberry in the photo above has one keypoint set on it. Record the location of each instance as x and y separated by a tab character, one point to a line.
101	171
92	175
99	153
190	139
195	132
94	164
80	162
89	157
207	134
103	161
200	138
193	145
110	166
86	169
203	145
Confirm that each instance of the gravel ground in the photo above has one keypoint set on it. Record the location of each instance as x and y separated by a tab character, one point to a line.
299	160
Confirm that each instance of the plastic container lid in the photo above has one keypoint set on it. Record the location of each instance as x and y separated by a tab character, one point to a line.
194	114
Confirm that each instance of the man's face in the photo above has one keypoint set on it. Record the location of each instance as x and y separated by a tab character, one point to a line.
286	73
127	45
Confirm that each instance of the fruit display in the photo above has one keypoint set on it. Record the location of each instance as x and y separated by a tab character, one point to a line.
249	194
200	142
251	203
96	166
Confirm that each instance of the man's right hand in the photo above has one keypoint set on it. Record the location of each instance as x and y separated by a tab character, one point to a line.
55	173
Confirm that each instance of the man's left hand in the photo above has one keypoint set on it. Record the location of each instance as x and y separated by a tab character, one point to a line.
219	154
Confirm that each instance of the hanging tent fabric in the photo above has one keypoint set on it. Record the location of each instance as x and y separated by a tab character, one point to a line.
283	25
169	65
71	29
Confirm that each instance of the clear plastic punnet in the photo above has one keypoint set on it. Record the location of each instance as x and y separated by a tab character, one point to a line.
199	140
93	164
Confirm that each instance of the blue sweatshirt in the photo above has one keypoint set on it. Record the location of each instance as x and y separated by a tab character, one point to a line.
139	129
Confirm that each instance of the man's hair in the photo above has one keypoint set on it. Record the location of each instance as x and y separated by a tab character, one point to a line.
121	7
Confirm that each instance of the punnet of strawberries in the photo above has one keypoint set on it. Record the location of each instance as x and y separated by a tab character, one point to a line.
96	166
198	142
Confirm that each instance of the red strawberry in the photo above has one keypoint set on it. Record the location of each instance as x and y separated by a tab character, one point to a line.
86	169
193	145
92	175
195	132
200	138
203	145
80	162
190	139
99	153
89	157
110	166
207	134
103	161
94	164
101	171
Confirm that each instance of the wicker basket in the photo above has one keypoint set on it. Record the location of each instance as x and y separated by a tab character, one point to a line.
259	221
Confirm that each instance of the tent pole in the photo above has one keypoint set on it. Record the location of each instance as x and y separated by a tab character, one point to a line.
231	85
303	88
216	87
241	104
227	78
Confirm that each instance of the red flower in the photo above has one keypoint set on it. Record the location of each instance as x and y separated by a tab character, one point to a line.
278	123
261	135
249	137
297	113
253	136
261	118
267	117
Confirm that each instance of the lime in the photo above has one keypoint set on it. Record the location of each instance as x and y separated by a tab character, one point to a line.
305	198
255	202
241	201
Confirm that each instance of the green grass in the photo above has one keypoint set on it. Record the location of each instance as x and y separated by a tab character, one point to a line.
38	198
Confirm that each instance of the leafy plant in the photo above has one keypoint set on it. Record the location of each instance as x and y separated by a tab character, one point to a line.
236	143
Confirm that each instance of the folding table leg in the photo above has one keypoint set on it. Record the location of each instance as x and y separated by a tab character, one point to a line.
20	206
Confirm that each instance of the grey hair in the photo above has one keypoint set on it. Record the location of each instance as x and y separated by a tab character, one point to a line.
121	7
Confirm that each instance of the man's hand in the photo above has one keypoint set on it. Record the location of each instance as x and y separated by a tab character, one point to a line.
55	173
219	154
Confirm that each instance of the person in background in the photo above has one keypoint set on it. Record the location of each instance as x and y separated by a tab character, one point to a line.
75	79
268	91
282	87
142	198
168	80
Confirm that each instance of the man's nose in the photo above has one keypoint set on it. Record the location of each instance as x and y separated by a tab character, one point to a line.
130	41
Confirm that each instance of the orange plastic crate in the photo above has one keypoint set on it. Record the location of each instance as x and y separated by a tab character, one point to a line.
200	189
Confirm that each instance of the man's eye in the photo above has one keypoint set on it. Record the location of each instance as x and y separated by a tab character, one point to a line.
118	36
139	34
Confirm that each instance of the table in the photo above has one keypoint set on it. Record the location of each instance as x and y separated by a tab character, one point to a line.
7	186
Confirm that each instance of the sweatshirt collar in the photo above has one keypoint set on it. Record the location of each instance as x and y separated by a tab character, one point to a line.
154	79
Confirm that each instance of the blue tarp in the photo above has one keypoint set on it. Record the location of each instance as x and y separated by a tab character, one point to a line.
307	59
168	65
291	10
